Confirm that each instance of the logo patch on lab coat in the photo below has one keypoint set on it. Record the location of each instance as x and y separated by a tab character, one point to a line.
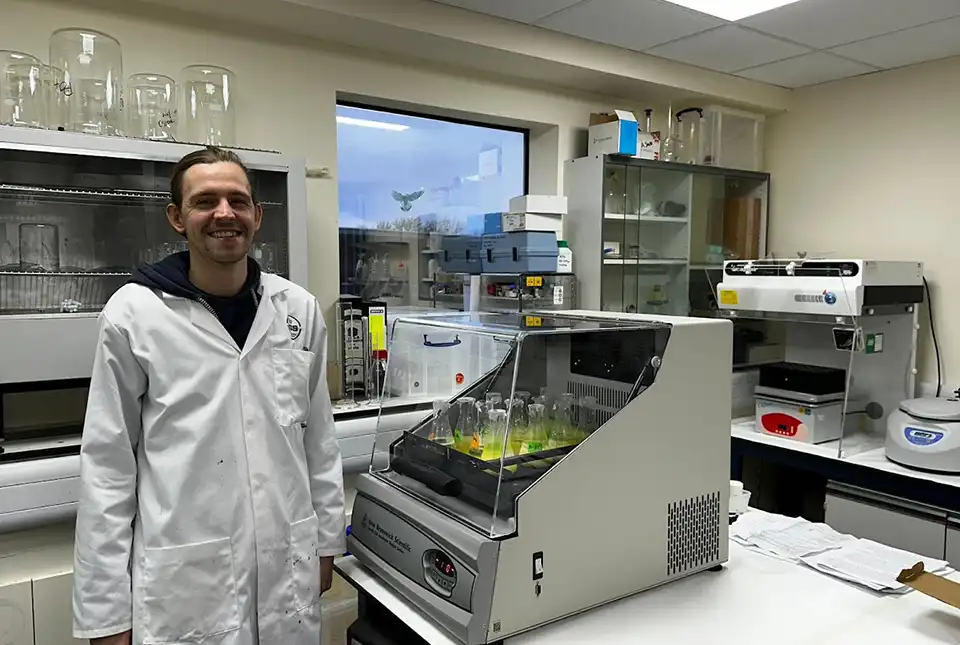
294	326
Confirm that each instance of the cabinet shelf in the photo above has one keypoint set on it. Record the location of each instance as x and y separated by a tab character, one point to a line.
85	195
644	261
628	217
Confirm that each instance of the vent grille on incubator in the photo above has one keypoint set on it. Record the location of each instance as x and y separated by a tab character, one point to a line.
693	533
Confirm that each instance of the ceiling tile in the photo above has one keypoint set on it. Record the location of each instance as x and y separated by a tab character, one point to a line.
633	24
521	11
728	49
809	69
927	42
827	23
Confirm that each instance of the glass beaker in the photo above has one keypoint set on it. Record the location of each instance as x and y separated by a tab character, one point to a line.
151	107
206	112
93	79
21	90
39	247
689	124
54	88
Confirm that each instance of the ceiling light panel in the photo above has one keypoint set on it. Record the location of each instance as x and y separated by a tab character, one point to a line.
732	9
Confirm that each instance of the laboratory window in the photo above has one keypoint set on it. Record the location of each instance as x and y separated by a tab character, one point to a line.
405	181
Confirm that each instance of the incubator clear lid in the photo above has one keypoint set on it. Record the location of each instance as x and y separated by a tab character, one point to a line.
511	395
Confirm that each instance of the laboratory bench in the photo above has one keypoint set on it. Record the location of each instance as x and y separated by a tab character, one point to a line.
754	600
863	493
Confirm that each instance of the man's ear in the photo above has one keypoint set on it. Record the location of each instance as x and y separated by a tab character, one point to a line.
257	216
175	217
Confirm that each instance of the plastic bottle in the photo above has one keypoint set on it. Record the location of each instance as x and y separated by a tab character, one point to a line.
564	257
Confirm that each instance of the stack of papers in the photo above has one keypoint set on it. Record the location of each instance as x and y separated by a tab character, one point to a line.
864	562
872	564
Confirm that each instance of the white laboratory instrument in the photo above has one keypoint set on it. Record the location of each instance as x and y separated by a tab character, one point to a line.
584	491
840	341
925	434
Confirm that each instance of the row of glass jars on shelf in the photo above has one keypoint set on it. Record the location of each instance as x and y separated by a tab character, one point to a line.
82	90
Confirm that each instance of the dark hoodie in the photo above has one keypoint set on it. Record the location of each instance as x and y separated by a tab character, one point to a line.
235	313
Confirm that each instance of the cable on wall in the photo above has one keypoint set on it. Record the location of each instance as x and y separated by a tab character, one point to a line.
933	334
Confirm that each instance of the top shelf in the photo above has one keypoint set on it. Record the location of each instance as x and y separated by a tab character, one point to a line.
646	218
89	196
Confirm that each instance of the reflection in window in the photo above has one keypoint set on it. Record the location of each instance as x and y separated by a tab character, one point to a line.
406	181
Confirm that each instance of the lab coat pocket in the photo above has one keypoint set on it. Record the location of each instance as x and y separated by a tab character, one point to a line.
189	592
292	374
305	563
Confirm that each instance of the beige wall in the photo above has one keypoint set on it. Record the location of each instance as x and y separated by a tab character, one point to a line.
870	167
287	97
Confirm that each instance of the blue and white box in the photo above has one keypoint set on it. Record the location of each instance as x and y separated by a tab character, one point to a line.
613	133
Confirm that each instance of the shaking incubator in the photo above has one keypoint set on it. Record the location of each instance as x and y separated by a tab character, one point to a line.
557	475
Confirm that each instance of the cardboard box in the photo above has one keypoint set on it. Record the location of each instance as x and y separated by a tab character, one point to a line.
533	222
613	133
548	204
648	145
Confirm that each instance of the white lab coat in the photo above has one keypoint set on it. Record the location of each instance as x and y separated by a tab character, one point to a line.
211	479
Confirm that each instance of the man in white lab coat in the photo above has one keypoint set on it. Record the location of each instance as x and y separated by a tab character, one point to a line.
211	501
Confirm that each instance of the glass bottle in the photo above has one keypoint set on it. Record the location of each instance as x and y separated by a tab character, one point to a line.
93	79
671	147
689	123
151	107
21	90
207	112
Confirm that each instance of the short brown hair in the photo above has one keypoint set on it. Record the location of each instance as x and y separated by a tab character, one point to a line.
209	154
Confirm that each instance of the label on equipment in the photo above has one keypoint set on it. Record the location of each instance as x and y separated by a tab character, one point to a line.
377	324
534	321
729	297
558	295
534	281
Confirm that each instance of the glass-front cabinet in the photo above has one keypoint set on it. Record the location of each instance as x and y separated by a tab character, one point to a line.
79	212
649	235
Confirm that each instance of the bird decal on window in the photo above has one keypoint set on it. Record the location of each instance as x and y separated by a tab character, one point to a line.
406	200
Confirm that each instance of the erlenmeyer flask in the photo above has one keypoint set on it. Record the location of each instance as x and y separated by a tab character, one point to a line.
440	430
467	424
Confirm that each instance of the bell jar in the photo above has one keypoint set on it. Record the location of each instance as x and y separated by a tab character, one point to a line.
207	110
151	107
21	90
93	79
55	95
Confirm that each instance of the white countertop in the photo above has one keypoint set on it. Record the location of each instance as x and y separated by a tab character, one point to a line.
858	449
755	600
